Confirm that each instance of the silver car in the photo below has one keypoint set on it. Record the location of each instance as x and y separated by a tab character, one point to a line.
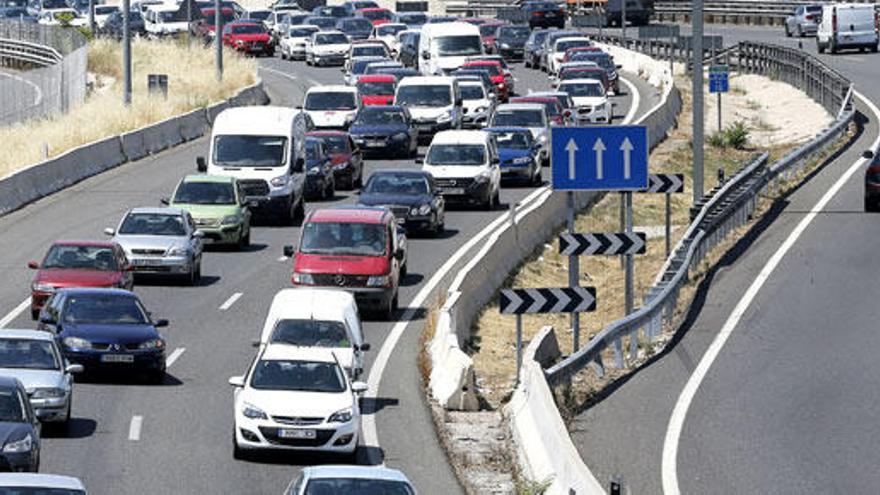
350	479
33	357
161	241
804	21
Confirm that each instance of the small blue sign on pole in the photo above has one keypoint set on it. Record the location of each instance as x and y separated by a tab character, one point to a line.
608	158
718	79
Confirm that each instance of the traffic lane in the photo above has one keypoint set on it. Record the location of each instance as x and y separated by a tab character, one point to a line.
622	434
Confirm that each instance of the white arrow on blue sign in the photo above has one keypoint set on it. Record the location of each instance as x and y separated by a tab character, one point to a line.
608	158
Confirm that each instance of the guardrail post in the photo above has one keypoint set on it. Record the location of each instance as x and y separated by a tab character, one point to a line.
618	353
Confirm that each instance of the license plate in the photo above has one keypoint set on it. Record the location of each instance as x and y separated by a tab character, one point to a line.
117	358
453	191
551	14
142	262
297	434
375	144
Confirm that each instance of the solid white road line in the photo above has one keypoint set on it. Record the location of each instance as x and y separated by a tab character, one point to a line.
229	302
278	72
12	315
636	101
134	428
282	259
174	356
679	413
38	93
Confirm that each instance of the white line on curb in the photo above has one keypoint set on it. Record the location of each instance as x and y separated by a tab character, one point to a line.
174	356
229	302
283	259
636	101
134	428
15	312
679	413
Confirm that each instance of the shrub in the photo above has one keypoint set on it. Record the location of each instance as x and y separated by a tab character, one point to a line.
734	136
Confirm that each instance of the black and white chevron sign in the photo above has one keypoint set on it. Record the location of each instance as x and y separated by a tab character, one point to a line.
611	243
555	300
665	183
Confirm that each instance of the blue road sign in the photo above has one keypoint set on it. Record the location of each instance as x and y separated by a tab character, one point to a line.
718	80
612	158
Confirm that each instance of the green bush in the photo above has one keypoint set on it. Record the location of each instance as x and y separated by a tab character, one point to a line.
734	136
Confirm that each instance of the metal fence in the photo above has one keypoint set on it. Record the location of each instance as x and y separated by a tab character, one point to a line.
726	208
42	70
732	11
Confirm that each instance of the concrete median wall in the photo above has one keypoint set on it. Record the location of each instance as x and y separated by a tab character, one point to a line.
53	175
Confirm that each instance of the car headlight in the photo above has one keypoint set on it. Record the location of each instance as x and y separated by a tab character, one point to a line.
424	209
400	136
378	281
239	42
483	177
314	170
230	219
543	138
445	116
178	251
41	287
303	278
280	181
253	412
48	393
505	46
343	416
152	344
522	160
480	109
500	85
23	445
76	343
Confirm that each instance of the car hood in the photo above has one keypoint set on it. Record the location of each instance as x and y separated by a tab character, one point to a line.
343	264
449	63
454	171
33	379
334	48
295	403
208	211
60	277
331	118
110	334
11	432
250	38
471	105
395	199
129	242
385	130
592	101
427	113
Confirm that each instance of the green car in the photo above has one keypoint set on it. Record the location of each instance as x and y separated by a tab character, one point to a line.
217	206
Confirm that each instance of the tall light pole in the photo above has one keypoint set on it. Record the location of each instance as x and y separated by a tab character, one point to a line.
697	75
92	16
218	39
126	52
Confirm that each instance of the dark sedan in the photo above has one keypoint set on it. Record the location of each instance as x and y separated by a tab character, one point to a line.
872	182
347	158
19	434
510	41
113	25
320	181
356	28
411	194
544	14
534	48
386	131
106	329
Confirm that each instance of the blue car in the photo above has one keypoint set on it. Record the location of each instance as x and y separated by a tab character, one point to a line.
518	152
19	436
386	131
320	182
105	329
357	28
411	194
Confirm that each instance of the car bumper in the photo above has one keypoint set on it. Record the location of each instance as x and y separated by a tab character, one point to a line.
160	265
432	127
51	410
315	184
224	234
95	360
22	462
266	434
329	59
270	204
474	193
596	116
512	53
516	172
545	22
474	120
382	146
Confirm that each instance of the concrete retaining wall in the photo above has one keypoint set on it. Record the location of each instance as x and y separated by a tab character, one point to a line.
51	176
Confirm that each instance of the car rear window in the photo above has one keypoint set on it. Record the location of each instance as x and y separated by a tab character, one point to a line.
311	333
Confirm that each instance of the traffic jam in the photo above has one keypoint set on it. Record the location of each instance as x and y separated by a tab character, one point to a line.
436	92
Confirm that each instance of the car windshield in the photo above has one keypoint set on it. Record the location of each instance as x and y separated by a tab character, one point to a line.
330	100
375	67
375	15
12	410
375	88
300	376
330	39
259	15
492	69
582	89
600	59
28	490
335	144
457	46
389	30
812	9
368	51
104	309
580	74
538	37
513	140
561	46
301	32
313	149
518	118
310	333
71	257
361	486
54	4
375	116
153	224
456	154
424	95
472	92
248	29
542	5
397	184
412	19
250	151
28	354
344	238
205	193
356	25
513	32
322	22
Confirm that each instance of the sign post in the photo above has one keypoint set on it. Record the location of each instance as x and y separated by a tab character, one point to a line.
719	83
666	184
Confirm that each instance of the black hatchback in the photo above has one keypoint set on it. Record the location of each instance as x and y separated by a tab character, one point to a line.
544	14
19	429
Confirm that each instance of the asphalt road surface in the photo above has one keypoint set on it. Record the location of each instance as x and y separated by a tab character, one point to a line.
182	441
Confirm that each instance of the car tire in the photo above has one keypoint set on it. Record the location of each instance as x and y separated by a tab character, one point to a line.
245	240
819	46
832	47
359	183
35	315
157	377
404	270
787	31
874	48
291	215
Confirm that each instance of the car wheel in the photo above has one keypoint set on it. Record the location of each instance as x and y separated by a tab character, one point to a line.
800	32
440	228
292	212
787	32
874	48
198	274
832	47
157	377
245	240
404	270
35	315
819	46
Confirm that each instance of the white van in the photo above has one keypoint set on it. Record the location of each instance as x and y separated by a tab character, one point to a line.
466	167
847	25
433	102
318	318
264	148
333	106
444	46
164	20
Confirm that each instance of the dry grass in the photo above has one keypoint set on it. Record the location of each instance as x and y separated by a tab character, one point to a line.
494	334
191	85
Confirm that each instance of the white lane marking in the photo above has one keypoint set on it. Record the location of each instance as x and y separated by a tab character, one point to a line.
679	413
283	259
280	73
134	428
12	315
174	356
38	96
636	101
229	302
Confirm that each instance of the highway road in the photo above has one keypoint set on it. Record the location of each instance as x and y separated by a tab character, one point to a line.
176	437
783	401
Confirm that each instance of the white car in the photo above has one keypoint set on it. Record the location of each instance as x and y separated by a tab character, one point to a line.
591	105
40	483
54	17
161	20
327	48
102	13
466	167
388	34
332	106
530	115
433	101
557	53
477	104
320	318
293	44
293	398
350	479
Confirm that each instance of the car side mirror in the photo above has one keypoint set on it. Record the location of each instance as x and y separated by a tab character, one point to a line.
201	165
198	234
618	66
255	343
868	155
237	381
165	201
493	96
426	55
109	231
288	251
364	347
398	255
161	323
33	265
299	165
359	387
420	161
74	368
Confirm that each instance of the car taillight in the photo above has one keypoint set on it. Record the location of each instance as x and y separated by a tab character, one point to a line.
808	17
834	21
537	14
877	22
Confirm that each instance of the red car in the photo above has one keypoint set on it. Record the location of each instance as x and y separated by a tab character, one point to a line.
487	34
377	16
554	108
249	38
347	158
496	75
358	249
206	28
78	264
577	49
376	89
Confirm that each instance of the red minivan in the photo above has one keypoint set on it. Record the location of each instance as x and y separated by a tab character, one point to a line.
358	249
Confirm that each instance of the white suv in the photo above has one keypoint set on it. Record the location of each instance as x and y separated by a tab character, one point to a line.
293	44
295	398
466	167
332	106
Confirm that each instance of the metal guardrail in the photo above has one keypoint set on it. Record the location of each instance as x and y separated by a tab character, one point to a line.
725	209
736	11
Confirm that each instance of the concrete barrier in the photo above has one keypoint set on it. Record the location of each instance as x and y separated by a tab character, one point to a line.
193	125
